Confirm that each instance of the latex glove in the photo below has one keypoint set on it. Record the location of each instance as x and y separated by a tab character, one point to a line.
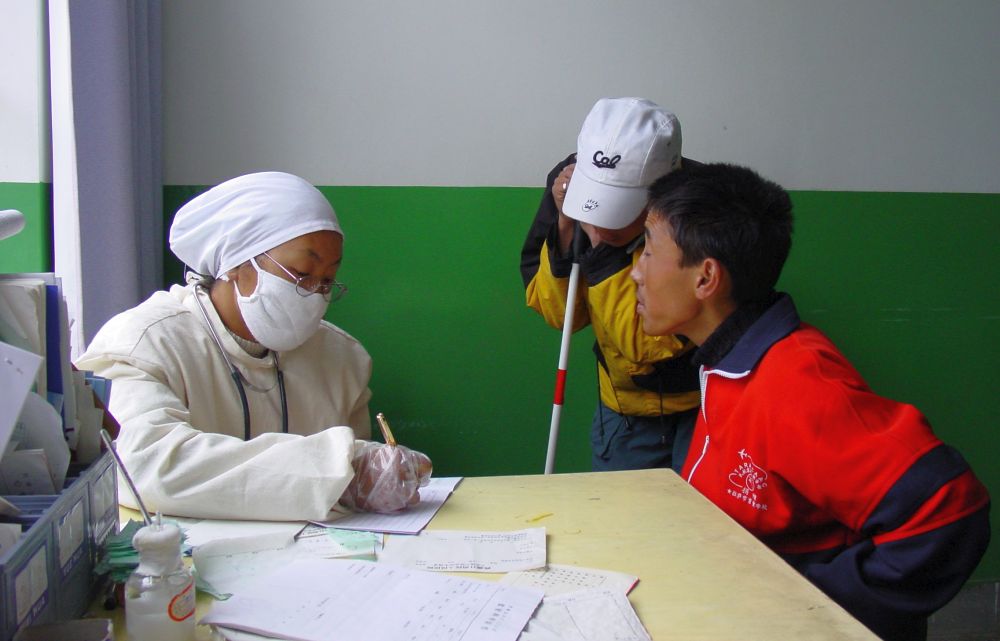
386	478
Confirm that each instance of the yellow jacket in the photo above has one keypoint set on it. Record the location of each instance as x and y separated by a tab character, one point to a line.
640	375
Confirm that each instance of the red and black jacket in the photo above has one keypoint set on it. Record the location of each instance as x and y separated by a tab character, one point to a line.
852	489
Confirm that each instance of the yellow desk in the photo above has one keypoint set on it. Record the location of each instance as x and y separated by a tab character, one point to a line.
701	576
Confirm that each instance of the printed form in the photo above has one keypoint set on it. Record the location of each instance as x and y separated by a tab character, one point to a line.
559	579
467	551
331	599
587	615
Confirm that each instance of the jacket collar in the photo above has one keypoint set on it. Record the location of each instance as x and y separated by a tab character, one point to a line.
776	322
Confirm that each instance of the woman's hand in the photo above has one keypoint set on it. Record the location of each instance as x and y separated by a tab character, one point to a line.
386	478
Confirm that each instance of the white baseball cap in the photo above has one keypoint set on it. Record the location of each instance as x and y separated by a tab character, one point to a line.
11	222
624	146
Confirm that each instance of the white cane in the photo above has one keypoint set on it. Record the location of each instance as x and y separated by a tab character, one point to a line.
567	332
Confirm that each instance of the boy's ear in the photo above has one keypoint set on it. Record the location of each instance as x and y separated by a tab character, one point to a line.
711	278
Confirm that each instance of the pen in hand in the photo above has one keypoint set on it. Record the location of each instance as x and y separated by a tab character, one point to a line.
390	440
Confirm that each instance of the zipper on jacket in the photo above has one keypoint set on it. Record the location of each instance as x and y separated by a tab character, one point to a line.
704	448
703	380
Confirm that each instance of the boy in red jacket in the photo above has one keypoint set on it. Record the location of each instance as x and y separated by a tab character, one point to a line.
852	489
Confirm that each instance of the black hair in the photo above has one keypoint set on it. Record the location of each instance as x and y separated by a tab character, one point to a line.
732	214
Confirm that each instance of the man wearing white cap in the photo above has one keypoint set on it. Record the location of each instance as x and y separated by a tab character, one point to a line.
648	390
235	398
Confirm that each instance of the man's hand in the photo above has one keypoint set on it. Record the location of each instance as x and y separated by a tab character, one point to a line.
566	223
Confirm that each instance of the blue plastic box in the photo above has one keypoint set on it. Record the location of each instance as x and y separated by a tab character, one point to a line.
48	575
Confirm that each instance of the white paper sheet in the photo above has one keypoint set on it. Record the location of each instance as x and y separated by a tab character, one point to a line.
40	427
408	521
200	531
331	600
331	543
228	634
9	534
89	420
11	334
25	472
63	358
22	306
588	615
559	579
7	508
226	564
465	551
17	373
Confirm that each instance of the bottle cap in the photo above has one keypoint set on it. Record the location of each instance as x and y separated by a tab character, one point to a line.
159	547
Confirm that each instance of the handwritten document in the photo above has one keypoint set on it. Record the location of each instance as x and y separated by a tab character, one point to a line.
408	521
559	579
467	551
334	599
587	615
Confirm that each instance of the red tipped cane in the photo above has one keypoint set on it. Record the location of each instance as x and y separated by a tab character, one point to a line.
567	332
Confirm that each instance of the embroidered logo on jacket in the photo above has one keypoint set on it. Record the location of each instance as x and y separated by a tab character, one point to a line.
605	162
748	480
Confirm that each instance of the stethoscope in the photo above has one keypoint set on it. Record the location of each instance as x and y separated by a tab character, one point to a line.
242	380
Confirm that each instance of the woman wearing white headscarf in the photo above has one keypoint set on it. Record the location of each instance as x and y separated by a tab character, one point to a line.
235	398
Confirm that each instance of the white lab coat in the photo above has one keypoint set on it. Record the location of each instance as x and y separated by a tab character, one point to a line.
182	422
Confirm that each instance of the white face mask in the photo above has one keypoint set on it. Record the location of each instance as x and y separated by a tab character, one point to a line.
277	315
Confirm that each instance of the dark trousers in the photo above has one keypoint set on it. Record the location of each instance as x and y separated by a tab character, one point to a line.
622	442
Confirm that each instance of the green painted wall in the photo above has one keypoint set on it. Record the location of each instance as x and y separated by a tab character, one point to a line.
904	283
30	250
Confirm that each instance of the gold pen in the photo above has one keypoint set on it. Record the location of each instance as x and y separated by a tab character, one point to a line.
386	432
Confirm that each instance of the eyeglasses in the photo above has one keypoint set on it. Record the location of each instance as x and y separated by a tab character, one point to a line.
329	289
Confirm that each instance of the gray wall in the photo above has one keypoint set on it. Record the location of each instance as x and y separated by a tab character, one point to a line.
896	95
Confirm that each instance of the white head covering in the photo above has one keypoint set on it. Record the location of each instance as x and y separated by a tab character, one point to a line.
231	223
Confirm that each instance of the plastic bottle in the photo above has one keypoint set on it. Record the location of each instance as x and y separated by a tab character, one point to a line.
159	594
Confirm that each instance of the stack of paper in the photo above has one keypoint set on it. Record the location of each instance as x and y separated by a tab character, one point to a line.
223	565
17	374
40	428
22	319
280	589
34	317
461	551
9	534
328	600
560	579
89	417
37	457
33	447
586	615
580	604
